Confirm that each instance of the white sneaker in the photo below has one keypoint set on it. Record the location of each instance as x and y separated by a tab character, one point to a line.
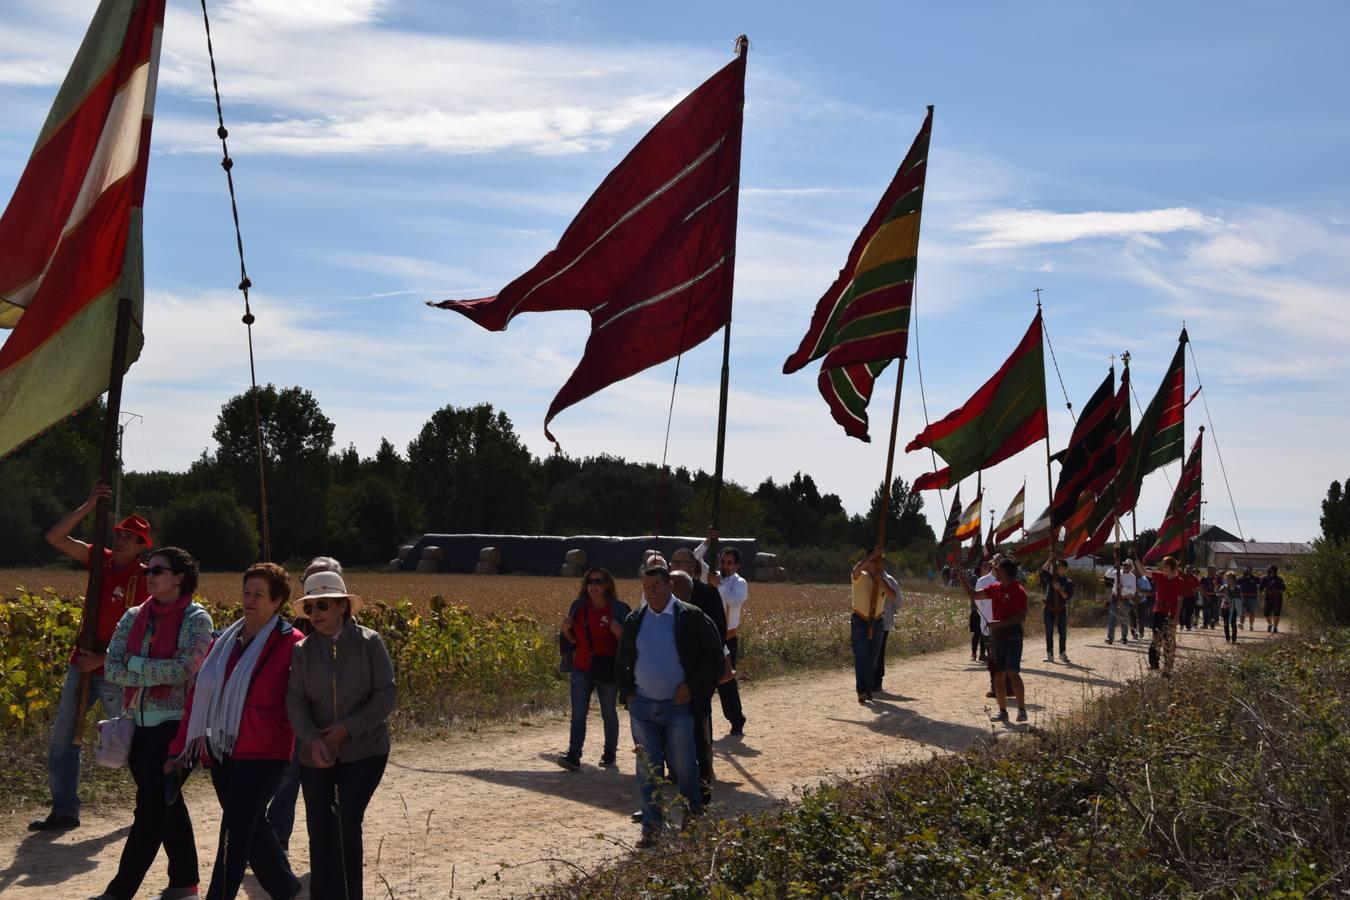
1049	658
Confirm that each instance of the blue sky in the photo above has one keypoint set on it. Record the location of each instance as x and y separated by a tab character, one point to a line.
1144	164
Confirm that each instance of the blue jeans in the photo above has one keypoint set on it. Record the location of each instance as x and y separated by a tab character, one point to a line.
664	733
63	756
582	685
1055	621
865	651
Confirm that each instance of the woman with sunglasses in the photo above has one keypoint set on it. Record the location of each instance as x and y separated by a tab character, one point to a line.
594	624
235	724
155	654
340	698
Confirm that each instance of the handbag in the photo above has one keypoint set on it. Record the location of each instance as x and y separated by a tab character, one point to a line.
566	650
114	741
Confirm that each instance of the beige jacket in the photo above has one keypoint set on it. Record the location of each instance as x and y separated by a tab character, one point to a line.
350	673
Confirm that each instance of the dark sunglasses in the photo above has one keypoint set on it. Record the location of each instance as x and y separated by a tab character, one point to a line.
596	581
320	605
159	570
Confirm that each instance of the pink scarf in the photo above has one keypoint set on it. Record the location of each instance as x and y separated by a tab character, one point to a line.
164	643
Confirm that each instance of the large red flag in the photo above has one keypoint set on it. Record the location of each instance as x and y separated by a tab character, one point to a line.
651	254
70	238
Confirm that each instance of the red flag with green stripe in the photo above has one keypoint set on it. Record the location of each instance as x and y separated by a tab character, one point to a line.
1005	415
862	321
70	238
1181	525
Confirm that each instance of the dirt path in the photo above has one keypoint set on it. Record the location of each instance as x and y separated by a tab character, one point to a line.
462	808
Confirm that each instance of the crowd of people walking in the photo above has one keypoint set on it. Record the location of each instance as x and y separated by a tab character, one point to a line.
272	707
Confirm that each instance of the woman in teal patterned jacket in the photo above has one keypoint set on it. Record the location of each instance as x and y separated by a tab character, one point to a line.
155	654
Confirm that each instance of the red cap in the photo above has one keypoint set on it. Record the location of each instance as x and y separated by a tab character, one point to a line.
136	525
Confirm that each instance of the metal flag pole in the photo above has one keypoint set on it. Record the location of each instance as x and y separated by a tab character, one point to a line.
1049	478
88	637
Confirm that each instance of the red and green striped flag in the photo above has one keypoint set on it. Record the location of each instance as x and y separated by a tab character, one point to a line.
862	321
1157	441
70	239
949	545
1013	519
1181	525
1005	415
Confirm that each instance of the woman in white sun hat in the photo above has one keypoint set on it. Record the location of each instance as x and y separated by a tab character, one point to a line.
339	700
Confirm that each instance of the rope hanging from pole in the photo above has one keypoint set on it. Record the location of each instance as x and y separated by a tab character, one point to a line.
1214	438
1068	404
227	164
923	398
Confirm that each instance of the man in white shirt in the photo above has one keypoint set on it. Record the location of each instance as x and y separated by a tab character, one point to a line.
1123	590
984	607
734	590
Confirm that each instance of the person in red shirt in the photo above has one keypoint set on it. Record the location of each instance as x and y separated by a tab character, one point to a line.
594	623
1009	607
123	587
235	724
1171	585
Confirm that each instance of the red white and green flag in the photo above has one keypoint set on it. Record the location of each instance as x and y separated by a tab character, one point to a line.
1182	522
651	255
862	322
1038	536
1098	446
1005	415
71	236
1014	519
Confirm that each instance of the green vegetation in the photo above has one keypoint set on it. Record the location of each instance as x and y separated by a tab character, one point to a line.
1232	779
1319	589
466	471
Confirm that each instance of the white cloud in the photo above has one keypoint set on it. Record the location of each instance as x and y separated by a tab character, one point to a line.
301	15
1004	228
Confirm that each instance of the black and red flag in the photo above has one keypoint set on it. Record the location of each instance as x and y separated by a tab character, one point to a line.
861	323
949	548
1005	415
1182	523
1096	449
651	255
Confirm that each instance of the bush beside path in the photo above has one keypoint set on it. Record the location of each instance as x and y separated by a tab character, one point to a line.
488	814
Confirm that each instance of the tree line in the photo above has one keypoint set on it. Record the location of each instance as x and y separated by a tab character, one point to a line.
465	471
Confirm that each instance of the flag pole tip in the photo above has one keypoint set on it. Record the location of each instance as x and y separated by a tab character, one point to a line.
742	44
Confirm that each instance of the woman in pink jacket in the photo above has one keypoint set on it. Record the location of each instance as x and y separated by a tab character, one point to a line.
235	724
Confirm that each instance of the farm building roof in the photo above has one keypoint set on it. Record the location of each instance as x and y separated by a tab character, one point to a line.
1260	548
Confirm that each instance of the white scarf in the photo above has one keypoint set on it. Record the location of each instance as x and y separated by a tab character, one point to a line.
217	704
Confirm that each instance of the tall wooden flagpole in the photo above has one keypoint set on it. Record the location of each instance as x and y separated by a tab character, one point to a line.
742	49
88	637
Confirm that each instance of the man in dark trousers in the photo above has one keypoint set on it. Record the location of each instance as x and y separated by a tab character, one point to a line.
669	652
123	587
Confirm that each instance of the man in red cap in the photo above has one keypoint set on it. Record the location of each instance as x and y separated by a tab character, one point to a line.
123	588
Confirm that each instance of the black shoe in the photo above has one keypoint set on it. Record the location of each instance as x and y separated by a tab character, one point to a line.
739	728
648	839
607	760
637	817
1001	717
55	822
570	763
1021	714
863	698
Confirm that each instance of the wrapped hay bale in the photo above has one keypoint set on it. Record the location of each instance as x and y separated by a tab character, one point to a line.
428	565
764	573
395	565
576	557
765	560
490	555
780	574
433	554
404	550
485	567
571	570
